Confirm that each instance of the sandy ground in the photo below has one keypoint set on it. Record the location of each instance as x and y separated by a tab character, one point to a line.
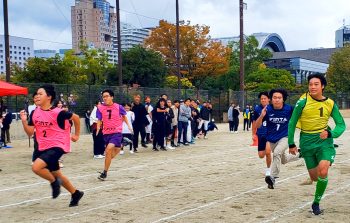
220	179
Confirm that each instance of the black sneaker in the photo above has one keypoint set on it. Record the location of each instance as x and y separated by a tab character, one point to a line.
74	201
56	188
155	149
163	148
316	209
144	145
270	182
103	176
186	144
135	150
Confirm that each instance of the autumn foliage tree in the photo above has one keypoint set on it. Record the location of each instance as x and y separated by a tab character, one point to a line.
201	57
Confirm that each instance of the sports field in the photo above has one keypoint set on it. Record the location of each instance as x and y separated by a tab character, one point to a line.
220	179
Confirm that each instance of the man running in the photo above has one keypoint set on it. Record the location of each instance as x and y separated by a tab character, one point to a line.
52	133
316	137
277	116
260	133
112	115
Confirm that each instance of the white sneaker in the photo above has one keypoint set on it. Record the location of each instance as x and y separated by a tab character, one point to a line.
131	151
169	147
206	137
236	132
99	156
121	152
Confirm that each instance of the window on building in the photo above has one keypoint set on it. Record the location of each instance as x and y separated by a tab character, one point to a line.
19	47
1	51
15	52
15	47
10	46
10	51
20	58
28	48
24	53
0	45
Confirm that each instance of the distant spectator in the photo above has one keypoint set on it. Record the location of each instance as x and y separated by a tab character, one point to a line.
71	103
87	120
5	131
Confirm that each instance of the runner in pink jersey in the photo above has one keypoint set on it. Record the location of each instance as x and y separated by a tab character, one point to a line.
50	125
112	116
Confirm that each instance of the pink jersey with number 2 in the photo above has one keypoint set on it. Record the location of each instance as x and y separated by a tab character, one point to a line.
48	133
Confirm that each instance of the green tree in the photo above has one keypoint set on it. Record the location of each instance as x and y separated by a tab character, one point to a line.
253	57
172	82
144	67
264	79
41	70
338	73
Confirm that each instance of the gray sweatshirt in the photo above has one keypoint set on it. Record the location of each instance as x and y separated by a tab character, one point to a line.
185	113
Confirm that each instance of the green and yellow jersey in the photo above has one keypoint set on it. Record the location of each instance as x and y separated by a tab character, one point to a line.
312	116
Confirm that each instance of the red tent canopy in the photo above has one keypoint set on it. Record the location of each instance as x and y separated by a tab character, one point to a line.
7	89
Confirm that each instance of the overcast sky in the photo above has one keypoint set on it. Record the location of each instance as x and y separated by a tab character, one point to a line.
302	24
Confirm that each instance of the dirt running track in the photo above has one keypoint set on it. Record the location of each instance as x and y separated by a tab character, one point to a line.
219	179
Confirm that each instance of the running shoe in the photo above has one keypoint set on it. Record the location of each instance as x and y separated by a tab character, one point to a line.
144	145
316	209
103	176
56	188
270	182
74	201
163	148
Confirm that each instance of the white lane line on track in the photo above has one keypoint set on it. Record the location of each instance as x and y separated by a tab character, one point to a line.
129	168
137	198
104	186
302	206
201	207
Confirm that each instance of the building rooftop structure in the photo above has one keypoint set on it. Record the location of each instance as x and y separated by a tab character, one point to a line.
271	41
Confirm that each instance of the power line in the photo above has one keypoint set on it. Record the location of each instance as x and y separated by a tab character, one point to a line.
158	19
138	18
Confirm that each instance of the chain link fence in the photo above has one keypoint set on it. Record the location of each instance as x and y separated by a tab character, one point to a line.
85	97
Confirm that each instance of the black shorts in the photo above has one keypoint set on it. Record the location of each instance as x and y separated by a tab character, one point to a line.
262	143
50	157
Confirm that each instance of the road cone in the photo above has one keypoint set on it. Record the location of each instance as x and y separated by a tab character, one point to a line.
255	141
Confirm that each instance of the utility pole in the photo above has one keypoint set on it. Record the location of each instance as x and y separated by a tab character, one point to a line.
241	47
120	64
242	6
178	50
7	42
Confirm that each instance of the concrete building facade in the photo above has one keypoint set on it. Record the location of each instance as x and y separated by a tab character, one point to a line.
342	36
20	50
94	23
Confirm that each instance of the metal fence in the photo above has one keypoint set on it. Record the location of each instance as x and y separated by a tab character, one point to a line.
86	96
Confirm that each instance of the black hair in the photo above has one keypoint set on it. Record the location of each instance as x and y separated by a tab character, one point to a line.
318	76
158	103
50	91
34	94
176	101
56	103
97	101
187	99
265	93
127	104
279	90
163	95
110	92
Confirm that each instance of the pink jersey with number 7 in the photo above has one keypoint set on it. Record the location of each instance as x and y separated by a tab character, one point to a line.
112	118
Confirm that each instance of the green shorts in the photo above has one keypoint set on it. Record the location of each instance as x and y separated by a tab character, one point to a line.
314	156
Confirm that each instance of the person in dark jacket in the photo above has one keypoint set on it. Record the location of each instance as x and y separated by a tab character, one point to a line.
140	122
5	131
205	114
235	117
159	118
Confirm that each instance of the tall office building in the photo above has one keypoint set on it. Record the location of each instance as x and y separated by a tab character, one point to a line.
342	36
94	22
131	36
20	50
